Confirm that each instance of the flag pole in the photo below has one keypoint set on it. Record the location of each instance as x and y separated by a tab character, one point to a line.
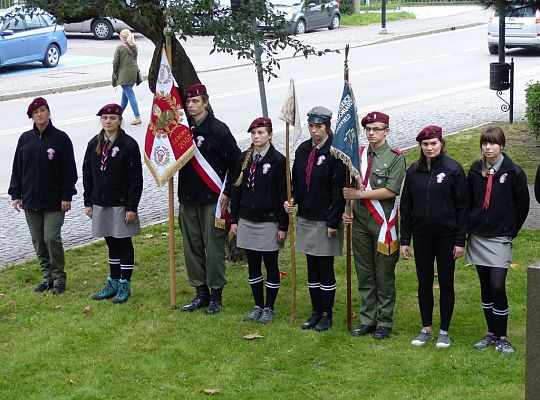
291	226
349	211
172	273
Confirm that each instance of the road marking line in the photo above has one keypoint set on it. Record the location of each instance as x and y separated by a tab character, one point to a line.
470	50
441	55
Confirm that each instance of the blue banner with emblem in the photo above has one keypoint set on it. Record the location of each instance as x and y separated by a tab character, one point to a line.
345	144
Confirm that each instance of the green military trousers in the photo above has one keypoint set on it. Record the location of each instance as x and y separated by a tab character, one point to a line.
46	232
375	271
204	245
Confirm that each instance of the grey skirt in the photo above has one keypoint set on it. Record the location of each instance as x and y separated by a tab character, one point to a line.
110	221
489	251
312	238
259	236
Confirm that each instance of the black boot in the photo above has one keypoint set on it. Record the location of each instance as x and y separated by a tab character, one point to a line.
200	300
312	320
215	301
325	322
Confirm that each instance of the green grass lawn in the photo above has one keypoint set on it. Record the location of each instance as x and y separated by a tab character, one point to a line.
373	18
51	349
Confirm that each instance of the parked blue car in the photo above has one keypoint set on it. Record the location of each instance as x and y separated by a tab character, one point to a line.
27	37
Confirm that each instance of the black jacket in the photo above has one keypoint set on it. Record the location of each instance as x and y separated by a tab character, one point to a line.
265	203
509	202
44	172
324	201
121	183
434	203
218	146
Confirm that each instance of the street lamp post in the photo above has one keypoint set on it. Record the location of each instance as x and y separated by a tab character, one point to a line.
383	17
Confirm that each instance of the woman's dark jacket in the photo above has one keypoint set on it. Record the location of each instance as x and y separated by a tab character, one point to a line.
324	201
218	146
434	203
44	172
509	204
121	183
265	202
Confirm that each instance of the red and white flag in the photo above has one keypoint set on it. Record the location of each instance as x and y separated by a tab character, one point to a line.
168	144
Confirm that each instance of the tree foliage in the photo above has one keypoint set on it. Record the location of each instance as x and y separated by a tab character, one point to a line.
232	34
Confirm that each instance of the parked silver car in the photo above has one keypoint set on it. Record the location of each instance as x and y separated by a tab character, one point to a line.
102	28
522	28
304	16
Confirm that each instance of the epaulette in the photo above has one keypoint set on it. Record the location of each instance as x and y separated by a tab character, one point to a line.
397	151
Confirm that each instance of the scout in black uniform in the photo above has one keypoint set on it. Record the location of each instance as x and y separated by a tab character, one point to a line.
434	208
499	204
42	184
113	183
257	216
204	242
317	183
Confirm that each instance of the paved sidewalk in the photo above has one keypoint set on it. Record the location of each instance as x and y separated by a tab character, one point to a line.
474	107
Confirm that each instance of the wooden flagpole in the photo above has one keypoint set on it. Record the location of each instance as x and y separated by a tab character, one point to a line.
172	270
349	211
291	227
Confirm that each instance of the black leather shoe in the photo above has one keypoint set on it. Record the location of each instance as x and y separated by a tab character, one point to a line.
201	299
382	332
43	286
312	321
58	288
363	330
215	301
325	322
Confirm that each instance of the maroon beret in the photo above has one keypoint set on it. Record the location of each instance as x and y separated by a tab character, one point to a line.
260	123
111	108
429	132
197	89
35	104
375	116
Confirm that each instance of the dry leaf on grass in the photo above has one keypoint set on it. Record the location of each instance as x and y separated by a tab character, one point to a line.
12	302
164	234
148	236
253	336
57	307
212	391
86	310
514	266
282	274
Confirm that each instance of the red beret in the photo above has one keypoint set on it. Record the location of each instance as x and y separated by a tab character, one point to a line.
35	104
429	132
259	123
197	89
375	116
111	108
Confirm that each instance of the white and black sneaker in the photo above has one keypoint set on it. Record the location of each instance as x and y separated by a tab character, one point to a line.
423	337
486	341
443	341
254	315
504	347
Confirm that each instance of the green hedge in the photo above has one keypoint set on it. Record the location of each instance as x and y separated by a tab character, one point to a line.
532	98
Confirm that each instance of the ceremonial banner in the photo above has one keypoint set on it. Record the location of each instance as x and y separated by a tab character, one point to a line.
345	144
168	144
290	113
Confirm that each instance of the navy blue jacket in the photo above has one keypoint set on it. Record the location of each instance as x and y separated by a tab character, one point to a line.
434	203
44	172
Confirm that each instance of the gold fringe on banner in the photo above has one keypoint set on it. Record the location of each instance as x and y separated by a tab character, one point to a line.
345	159
219	223
388	249
173	169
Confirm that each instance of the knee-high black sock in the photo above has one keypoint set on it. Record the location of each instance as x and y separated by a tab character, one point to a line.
127	258
314	283
114	257
484	276
500	301
256	280
272	277
328	283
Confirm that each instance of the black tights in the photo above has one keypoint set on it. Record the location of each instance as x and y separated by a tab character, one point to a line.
256	280
494	300
426	250
121	257
321	282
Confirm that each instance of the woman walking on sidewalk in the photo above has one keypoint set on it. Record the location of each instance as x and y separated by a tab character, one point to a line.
434	206
257	215
499	204
113	182
126	72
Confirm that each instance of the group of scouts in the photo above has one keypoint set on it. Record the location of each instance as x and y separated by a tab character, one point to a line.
442	209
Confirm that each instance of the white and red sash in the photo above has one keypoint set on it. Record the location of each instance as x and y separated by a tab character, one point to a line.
213	181
387	241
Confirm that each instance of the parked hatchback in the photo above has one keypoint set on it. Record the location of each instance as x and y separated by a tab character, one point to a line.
522	28
304	16
27	37
102	28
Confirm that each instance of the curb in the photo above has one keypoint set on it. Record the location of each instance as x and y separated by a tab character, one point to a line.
103	83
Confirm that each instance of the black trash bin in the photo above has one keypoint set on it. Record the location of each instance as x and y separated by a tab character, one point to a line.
499	76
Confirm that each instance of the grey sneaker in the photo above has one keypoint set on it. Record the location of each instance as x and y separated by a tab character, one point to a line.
504	347
443	341
485	342
254	315
423	337
267	316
